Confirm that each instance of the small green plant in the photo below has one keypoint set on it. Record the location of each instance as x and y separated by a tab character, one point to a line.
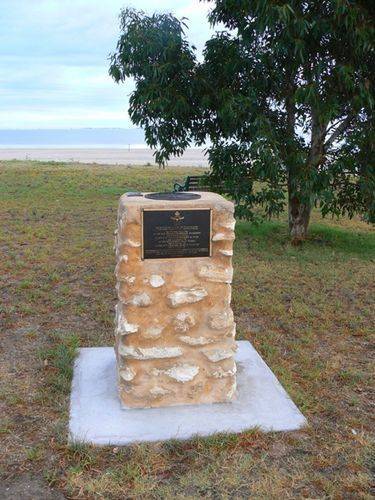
34	453
82	453
59	360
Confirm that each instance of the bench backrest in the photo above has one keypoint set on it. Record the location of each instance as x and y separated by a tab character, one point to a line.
194	183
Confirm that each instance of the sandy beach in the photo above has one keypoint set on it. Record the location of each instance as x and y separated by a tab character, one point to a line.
110	156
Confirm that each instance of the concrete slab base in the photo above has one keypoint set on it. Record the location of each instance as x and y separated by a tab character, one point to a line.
97	417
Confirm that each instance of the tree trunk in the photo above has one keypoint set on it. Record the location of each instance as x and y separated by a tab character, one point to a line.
299	184
299	218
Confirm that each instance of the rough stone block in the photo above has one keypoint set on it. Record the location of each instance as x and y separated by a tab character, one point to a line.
174	324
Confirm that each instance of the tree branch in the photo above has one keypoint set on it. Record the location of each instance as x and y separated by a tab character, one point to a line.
340	129
318	132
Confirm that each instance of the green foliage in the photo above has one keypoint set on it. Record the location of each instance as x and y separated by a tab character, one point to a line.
154	51
60	357
284	95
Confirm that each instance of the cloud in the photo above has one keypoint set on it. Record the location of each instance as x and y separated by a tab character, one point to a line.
63	117
54	60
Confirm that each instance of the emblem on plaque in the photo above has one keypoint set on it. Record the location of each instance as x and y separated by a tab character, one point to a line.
177	217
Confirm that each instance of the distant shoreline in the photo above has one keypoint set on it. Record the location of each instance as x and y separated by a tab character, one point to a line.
125	155
74	146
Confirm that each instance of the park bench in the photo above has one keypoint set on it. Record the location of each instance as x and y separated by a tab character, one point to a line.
199	183
193	183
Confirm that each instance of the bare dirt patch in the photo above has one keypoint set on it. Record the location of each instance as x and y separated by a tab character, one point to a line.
309	311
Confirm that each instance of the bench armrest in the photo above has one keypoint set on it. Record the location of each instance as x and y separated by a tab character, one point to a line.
178	187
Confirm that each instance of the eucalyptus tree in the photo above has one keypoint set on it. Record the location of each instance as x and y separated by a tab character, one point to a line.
283	96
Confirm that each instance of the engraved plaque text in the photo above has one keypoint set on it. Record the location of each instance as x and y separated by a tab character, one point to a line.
170	234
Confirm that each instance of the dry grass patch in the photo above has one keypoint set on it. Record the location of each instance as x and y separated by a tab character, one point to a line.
309	311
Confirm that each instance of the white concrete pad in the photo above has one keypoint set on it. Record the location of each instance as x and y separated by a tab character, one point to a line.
96	415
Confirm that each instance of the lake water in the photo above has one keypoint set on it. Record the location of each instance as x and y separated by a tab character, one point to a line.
73	138
118	146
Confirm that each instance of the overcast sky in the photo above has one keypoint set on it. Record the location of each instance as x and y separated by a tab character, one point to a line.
53	60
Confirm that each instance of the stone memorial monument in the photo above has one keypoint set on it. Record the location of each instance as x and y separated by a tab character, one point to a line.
175	334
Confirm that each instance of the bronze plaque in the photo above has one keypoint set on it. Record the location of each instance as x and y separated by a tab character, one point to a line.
172	234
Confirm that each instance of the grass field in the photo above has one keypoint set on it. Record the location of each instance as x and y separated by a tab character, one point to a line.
309	311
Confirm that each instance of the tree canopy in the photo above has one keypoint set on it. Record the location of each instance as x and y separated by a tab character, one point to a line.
283	96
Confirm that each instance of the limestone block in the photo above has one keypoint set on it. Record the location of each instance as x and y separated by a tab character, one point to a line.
195	340
181	373
152	332
183	321
216	273
127	374
228	236
156	281
187	296
149	352
232	390
217	354
174	326
157	392
232	331
221	320
139	300
229	224
129	279
122	326
228	253
120	268
131	243
220	372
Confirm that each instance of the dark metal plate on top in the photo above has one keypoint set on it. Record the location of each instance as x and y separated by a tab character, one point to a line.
172	234
174	196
